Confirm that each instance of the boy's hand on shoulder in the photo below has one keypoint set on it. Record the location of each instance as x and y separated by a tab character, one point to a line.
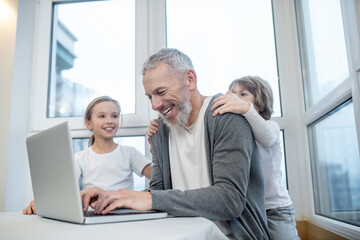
229	103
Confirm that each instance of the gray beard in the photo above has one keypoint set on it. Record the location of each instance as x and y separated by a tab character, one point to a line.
182	117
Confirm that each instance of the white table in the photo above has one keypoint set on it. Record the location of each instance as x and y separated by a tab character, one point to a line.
14	225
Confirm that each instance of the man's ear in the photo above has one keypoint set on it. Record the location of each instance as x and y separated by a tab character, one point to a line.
191	79
88	124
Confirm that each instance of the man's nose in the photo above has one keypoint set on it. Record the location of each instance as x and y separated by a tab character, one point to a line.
156	103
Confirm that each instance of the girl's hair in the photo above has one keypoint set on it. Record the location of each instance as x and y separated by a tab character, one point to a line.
263	96
90	108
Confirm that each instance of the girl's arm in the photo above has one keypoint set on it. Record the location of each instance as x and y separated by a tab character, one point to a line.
147	171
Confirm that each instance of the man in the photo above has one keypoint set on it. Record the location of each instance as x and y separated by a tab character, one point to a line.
202	165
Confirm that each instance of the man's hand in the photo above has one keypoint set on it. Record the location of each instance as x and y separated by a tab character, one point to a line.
30	209
89	196
109	201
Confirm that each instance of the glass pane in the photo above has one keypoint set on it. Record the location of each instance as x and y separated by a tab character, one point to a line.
324	62
93	54
138	142
336	164
231	39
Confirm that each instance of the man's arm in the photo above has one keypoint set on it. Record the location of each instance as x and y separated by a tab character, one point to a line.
104	202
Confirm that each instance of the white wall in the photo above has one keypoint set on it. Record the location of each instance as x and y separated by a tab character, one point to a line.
18	191
8	17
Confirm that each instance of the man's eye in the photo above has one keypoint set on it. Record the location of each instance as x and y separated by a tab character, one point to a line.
162	93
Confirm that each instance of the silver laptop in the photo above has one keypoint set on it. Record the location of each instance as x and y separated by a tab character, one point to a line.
56	189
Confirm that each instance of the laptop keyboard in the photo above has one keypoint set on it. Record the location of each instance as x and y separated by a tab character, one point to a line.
122	211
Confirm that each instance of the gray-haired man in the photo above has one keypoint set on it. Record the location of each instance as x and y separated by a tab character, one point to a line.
202	165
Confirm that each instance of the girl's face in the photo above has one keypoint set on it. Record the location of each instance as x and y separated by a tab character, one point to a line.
245	95
104	120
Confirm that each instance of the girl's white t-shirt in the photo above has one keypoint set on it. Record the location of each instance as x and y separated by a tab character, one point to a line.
110	171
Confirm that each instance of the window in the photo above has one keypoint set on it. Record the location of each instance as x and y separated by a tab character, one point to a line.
93	54
94	51
322	31
332	105
335	165
230	40
224	45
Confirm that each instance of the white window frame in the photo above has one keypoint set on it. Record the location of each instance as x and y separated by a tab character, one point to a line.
39	91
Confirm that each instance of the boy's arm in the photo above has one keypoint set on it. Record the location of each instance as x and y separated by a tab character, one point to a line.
266	132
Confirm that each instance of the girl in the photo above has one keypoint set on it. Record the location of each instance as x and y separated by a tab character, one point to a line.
105	164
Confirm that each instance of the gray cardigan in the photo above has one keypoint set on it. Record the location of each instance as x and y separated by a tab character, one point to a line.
237	191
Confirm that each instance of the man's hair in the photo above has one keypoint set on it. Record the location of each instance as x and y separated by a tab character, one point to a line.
178	61
263	95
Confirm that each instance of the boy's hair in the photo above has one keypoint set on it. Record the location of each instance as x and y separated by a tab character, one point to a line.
178	61
263	95
90	108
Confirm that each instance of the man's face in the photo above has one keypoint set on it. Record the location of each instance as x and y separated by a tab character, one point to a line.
168	95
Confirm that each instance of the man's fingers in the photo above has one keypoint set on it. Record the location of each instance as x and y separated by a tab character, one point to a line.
93	204
109	208
85	201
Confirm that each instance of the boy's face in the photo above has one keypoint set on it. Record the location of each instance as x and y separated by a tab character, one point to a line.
245	95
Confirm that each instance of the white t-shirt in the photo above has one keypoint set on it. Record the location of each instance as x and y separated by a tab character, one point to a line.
189	167
188	163
266	133
110	171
